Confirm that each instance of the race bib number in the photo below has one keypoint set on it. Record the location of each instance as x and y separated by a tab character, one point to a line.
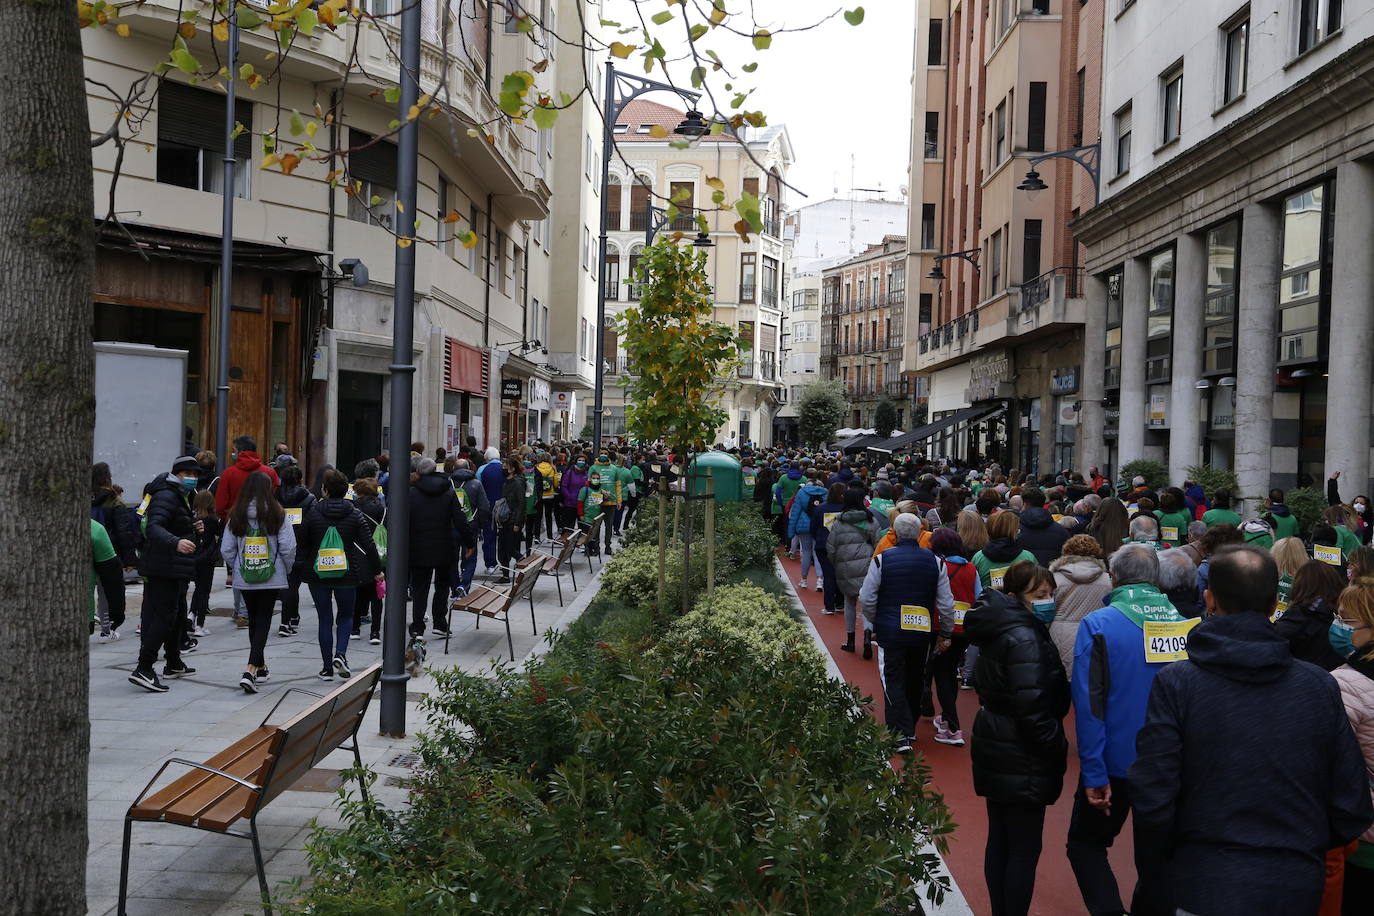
749	480
1279	610
998	575
332	558
1167	640
1331	555
656	468
595	499
1134	507
255	548
143	506
828	518
915	619
350	494
1169	534
961	610
293	515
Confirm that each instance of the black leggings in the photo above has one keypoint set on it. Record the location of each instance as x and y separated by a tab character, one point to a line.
291	601
163	618
259	602
548	513
420	578
1012	853
944	671
200	599
367	604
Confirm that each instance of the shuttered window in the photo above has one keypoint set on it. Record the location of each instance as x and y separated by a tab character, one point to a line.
190	139
372	180
1035	118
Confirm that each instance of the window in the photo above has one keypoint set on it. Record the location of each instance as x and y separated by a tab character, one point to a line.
587	159
995	262
1318	20
512	17
803	330
1172	105
631	286
1030	250
1041	8
932	135
613	203
612	275
770	281
1219	308
682	194
751	186
586	248
190	139
445	230
582	341
1159	318
935	47
1123	140
928	227
1112	371
999	134
1004	16
621	129
498	258
1304	284
748	265
372	176
1079	102
1035	118
644	128
1237	58
639	203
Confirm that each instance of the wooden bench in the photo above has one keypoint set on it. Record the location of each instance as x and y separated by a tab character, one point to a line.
489	601
239	781
590	539
556	560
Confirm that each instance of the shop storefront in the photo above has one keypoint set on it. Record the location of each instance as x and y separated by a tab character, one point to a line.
466	375
537	407
513	429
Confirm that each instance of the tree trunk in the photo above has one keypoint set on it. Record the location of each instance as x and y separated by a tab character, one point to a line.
47	421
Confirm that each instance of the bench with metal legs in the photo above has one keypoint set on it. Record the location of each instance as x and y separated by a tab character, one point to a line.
489	601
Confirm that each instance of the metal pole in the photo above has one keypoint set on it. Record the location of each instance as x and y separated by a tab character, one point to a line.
394	677
226	249
607	150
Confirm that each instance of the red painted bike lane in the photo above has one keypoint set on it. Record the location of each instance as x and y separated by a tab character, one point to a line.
1056	891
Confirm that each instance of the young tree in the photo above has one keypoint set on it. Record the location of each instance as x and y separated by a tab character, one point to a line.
823	407
47	423
885	417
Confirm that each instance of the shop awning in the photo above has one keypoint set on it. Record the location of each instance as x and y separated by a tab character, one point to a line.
967	415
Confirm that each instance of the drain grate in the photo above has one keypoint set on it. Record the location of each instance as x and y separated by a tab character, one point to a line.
415	696
407	760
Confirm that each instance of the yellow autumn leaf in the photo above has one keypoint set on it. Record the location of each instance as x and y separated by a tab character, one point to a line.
413	113
311	127
716	183
400	206
621	50
468	239
187	30
270	161
289	163
403	242
122	30
658	131
452	217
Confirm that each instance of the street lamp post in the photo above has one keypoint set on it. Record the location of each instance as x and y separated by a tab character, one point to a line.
693	125
1090	157
226	249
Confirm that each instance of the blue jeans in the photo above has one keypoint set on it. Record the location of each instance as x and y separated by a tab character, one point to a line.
489	543
334	632
464	570
833	599
807	541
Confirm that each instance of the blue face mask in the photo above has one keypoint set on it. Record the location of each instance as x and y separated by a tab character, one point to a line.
1341	638
581	465
1043	610
189	483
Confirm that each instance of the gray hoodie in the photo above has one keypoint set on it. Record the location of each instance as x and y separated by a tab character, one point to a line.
1080	586
282	547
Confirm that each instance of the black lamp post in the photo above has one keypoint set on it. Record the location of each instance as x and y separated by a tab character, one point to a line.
658	218
226	247
937	273
1090	157
629	88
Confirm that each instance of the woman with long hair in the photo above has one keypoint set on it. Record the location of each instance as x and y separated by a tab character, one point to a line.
1110	525
1352	638
259	546
966	588
973	531
1311	608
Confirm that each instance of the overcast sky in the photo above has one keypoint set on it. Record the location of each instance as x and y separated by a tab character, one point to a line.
841	90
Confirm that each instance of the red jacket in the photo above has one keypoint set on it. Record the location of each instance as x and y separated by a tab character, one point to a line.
234	476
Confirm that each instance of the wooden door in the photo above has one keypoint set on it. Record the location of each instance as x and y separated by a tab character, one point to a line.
250	337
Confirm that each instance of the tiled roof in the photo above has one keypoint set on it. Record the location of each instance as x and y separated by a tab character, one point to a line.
640	114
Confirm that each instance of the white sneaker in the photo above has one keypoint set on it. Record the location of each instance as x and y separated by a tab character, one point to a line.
802	583
819	585
200	631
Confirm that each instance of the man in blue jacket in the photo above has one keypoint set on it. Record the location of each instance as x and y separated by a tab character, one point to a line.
799	524
493	478
1118	652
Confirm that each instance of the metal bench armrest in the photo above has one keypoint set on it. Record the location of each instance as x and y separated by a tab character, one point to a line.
285	693
195	766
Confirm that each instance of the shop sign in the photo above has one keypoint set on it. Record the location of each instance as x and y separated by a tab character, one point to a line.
539	394
986	375
1064	381
512	389
1223	408
565	401
1159	409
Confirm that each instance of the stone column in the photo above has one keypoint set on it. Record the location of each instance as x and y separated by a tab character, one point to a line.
1190	280
1256	350
1352	328
1092	416
1135	302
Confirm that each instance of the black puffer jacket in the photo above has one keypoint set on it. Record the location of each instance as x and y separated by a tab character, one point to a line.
1305	626
356	531
169	521
437	524
1042	535
1019	748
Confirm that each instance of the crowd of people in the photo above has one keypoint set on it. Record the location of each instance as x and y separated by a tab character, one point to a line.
272	534
1219	668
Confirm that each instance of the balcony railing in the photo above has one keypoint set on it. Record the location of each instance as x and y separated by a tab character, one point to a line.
685	221
1039	289
613	218
620	366
639	222
772	227
746	292
746	369
770	297
896	297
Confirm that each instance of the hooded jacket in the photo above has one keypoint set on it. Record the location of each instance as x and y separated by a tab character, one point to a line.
1356	680
1249	772
849	547
572	483
551	479
281	545
1304	628
1041	535
233	477
787	487
799	521
819	512
1081	586
493	478
438	527
169	520
996	558
1020	751
356	531
1285	524
478	506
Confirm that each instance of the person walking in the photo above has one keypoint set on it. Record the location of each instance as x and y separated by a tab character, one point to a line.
1038	531
1246	767
472	499
1351	636
534	485
610	495
438	531
1020	751
207	552
799	524
1112	676
246	461
334	552
850	546
1081	585
907	600
822	516
296	501
510	519
167	565
549	479
259	546
368	603
1221	511
569	488
966	588
1002	551
1311	612
783	491
492	474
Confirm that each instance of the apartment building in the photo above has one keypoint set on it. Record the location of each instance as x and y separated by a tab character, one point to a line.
748	279
863	317
1218	279
800	353
998	343
309	349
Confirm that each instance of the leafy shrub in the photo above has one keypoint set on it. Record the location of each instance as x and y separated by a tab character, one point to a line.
1156	475
1212	479
759	621
743	538
1307	505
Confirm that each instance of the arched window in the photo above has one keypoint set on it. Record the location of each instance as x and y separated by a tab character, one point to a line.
639	202
612	268
613	202
632	288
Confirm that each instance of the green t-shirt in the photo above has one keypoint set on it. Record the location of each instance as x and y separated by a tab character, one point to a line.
1213	517
1347	540
531	495
101	550
991	571
1173	528
610	482
624	477
1285	526
591	501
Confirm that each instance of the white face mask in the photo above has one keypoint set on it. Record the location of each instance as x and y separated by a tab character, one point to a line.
1360	508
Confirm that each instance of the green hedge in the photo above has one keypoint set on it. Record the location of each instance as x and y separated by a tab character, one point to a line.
700	765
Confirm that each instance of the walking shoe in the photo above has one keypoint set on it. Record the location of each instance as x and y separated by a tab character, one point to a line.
190	645
820	586
375	640
966	684
443	631
138	630
326	674
868	644
182	670
248	683
829	612
341	667
241	622
284	630
200	631
355	636
262	674
295	629
109	634
504	580
944	736
904	745
148	680
848	645
802	583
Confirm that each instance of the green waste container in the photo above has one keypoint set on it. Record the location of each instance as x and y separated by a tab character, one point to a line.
725	471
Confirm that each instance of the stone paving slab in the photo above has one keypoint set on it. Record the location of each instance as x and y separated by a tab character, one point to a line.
176	871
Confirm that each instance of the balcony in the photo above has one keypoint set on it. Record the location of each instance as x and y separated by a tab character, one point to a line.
746	369
770	297
613	219
619	366
746	292
639	221
772	227
896	297
685	221
1053	298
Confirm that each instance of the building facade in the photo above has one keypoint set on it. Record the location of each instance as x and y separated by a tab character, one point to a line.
828	231
863	317
747	277
1216	278
998	345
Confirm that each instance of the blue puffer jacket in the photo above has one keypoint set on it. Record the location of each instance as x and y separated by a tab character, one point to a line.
799	522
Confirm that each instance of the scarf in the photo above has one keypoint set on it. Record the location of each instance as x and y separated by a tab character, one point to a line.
1141	603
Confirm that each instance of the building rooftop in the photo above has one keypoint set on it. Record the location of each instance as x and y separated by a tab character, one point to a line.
640	115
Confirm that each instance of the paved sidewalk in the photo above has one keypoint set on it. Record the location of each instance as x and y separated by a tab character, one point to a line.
175	871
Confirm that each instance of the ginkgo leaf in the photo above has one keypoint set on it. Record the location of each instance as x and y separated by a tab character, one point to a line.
269	161
306	20
661	17
220	31
403	242
716	183
122	30
468	239
854	16
374	200
544	118
621	50
392	95
246	18
762	40
311	127
297	124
